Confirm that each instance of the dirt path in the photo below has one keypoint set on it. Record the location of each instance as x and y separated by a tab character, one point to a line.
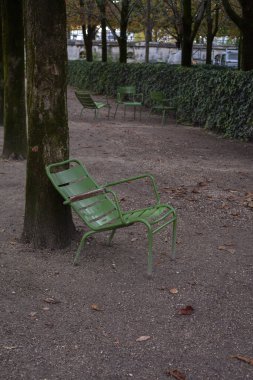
209	180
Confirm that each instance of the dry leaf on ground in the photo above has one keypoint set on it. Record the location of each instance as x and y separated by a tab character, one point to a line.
173	290
176	374
243	358
143	338
51	300
226	248
95	307
187	310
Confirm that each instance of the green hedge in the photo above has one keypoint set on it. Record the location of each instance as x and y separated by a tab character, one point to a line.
220	100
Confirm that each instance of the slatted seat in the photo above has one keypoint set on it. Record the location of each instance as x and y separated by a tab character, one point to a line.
87	102
99	207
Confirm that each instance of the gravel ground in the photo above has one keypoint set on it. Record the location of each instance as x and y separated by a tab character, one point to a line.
64	322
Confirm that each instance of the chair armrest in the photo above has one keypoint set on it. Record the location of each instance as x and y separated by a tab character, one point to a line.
89	194
130	179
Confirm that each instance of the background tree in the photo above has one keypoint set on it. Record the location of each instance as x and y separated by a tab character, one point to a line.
241	13
15	140
47	222
102	9
119	17
1	73
190	25
212	23
89	22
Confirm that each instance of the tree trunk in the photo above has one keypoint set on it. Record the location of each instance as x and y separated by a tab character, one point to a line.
245	25
148	32
122	41
88	40
47	222
1	73
104	40
187	42
246	49
209	47
15	140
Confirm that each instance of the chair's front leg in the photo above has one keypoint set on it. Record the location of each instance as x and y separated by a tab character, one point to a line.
116	110
150	251
111	236
174	238
81	244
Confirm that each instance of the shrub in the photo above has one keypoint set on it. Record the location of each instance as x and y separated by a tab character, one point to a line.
217	99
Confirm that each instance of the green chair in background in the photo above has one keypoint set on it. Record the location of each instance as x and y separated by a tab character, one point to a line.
87	102
127	96
99	206
161	104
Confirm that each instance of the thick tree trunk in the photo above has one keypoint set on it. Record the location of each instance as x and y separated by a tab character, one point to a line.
122	41
246	49
244	21
15	140
104	40
1	73
47	222
187	42
88	40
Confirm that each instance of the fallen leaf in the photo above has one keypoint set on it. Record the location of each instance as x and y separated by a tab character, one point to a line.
195	191
33	313
95	307
45	308
202	184
187	310
173	290
176	374
226	248
10	347
51	300
134	239
143	338
243	358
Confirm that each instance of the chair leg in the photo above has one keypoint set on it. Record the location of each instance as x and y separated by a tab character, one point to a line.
81	244
150	251
116	110
174	238
111	237
163	117
109	110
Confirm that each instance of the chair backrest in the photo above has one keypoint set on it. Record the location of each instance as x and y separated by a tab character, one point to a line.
156	97
125	92
85	99
71	178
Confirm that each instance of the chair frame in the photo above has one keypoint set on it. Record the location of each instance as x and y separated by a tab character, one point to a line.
87	102
161	103
134	100
71	180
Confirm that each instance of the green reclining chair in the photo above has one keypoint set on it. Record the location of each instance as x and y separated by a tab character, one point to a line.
128	97
99	207
87	102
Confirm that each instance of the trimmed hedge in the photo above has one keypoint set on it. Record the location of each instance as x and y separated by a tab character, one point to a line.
217	99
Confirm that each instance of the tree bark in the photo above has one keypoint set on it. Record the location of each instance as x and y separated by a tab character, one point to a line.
47	222
15	139
212	29
88	36
1	73
245	25
187	42
103	36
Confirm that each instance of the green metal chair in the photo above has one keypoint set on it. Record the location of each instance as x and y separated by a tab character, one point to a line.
128	97
99	207
161	104
87	102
